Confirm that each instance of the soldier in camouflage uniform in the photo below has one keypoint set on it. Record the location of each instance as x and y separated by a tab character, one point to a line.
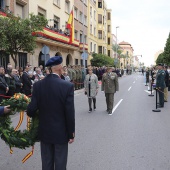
69	71
73	75
109	85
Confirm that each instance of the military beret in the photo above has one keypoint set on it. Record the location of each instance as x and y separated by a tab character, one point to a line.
56	60
160	64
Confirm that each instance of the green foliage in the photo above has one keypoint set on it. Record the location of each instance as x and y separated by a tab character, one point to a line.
118	49
160	59
16	34
18	139
166	53
100	60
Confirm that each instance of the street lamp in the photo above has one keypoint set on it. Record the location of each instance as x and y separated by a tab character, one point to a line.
116	41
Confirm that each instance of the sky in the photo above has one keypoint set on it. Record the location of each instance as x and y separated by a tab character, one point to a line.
145	24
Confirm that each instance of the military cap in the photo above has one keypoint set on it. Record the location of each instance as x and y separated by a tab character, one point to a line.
56	60
160	64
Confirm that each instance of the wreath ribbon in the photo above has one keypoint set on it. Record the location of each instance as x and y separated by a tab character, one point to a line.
28	155
20	120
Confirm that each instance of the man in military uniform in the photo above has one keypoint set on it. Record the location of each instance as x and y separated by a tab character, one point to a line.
80	76
109	85
73	76
166	83
77	77
69	71
160	84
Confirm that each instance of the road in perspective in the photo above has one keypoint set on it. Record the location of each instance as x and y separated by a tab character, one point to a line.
132	138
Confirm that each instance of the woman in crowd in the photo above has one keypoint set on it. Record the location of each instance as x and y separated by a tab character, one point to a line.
91	88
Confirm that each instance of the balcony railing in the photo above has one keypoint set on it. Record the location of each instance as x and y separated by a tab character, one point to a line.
85	46
53	35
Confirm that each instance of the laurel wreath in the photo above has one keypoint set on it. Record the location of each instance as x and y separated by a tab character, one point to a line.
11	136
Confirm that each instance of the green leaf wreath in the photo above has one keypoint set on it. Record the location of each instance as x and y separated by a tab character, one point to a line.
11	136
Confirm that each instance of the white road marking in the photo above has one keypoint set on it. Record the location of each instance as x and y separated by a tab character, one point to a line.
129	88
149	91
116	106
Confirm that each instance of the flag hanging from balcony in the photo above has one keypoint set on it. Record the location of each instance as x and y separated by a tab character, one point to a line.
70	26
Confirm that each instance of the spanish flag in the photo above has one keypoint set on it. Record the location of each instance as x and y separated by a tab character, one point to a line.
70	26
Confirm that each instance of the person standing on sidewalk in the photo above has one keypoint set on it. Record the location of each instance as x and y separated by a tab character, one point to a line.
109	85
91	88
166	83
160	84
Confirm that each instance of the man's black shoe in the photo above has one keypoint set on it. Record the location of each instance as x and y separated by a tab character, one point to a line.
160	106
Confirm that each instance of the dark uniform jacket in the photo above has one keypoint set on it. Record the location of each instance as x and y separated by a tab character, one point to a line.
54	98
18	84
26	83
3	85
160	79
166	78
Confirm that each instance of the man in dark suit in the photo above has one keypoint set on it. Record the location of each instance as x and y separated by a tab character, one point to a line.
26	80
17	79
54	98
3	84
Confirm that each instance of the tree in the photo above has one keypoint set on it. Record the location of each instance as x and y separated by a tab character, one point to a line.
100	60
160	58
117	48
16	34
166	53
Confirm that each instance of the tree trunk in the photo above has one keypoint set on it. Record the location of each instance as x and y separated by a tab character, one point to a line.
14	57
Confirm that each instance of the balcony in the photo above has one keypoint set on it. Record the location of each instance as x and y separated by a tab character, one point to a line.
85	46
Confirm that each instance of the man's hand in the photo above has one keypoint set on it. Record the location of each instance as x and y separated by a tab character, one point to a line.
71	141
7	109
7	89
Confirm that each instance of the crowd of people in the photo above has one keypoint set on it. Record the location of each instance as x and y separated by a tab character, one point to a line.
160	77
21	80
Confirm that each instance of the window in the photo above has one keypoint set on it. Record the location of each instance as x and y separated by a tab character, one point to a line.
100	49
103	50
56	22
19	10
67	6
57	2
85	39
94	48
100	34
108	16
94	15
76	34
81	17
81	38
109	53
108	28
99	18
85	20
76	13
91	46
108	41
90	28
91	11
76	61
94	31
2	4
103	36
99	4
4	59
103	20
41	11
22	57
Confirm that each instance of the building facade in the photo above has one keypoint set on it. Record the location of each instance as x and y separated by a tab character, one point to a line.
54	38
128	60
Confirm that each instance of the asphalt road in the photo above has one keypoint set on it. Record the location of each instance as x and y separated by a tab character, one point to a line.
132	138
